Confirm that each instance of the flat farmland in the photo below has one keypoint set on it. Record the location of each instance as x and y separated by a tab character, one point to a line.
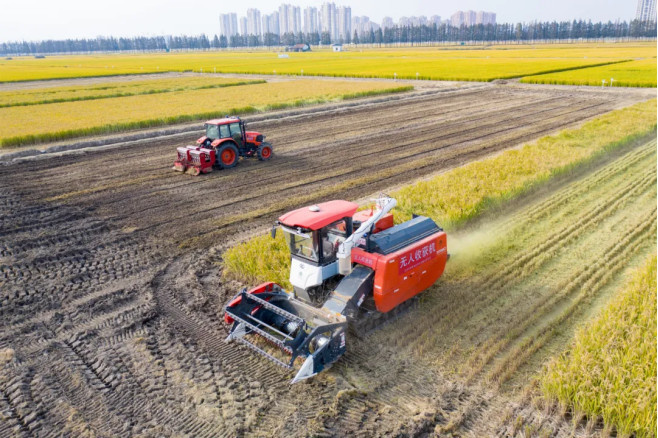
468	63
110	267
185	99
639	73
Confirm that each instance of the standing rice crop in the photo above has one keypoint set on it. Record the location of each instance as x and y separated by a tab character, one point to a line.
56	121
639	73
474	64
610	369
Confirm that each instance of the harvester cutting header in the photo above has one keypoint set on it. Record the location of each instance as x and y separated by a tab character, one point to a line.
347	267
226	140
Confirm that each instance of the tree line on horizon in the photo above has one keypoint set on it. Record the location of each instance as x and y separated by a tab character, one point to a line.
407	35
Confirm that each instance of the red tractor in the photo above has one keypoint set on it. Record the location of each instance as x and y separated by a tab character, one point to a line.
226	140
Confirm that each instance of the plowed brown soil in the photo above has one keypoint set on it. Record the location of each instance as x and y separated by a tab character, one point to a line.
110	264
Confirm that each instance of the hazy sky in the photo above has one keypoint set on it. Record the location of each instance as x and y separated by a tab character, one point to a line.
58	19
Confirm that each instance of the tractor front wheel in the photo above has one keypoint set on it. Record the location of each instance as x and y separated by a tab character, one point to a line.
264	152
227	156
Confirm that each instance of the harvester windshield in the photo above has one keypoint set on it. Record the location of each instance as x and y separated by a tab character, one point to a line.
302	245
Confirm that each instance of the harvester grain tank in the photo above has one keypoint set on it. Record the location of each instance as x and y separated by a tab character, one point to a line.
226	140
346	267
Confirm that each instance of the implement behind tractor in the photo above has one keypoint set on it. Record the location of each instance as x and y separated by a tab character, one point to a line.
226	140
347	267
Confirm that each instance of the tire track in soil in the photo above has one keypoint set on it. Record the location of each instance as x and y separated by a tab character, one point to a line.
378	157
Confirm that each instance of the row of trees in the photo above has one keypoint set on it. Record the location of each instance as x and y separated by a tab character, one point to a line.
396	35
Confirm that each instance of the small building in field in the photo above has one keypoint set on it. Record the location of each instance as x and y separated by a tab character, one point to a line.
337	47
299	48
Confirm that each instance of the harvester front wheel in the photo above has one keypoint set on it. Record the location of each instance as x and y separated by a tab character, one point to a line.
227	156
264	152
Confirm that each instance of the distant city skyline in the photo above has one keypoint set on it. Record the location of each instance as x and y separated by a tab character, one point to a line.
85	19
336	21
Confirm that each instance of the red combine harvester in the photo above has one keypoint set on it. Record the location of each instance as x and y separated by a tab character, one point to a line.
226	140
347	267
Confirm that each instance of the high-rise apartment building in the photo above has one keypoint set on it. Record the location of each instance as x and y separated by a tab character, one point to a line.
290	19
344	14
485	18
362	25
271	23
457	19
359	24
470	18
311	20
387	23
413	21
329	20
646	10
228	24
337	21
284	23
243	26
254	24
296	19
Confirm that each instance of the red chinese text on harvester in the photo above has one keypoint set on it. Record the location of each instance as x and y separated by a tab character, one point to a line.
414	258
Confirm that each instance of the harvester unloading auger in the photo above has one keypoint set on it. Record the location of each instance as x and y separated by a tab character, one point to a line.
340	276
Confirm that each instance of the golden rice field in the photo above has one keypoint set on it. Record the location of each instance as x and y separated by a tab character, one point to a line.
639	73
609	372
465	192
467	64
72	119
115	89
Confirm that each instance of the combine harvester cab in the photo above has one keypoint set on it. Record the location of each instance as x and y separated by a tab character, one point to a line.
340	276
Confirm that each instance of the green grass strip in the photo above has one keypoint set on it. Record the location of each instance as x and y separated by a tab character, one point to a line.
463	193
151	123
609	371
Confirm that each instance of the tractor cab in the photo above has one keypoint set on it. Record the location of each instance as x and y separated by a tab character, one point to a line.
313	235
228	127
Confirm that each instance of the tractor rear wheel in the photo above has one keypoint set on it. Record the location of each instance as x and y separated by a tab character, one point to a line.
227	156
264	152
